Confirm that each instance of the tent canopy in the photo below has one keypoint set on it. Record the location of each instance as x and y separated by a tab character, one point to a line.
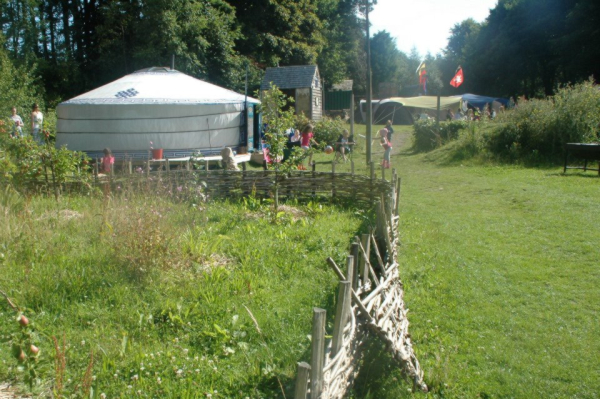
167	108
426	102
480	101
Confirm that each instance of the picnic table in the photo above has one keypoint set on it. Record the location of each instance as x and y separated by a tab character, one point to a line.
585	151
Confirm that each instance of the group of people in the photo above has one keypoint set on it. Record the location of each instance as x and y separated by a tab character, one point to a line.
37	120
474	114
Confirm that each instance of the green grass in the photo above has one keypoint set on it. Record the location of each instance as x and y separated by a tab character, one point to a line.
160	290
499	264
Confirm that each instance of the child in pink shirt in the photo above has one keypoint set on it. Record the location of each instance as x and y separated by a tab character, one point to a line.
107	161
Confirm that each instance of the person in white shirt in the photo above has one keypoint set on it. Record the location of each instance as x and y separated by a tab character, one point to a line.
37	121
18	127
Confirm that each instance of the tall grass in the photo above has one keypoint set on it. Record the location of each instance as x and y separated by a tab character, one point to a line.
163	295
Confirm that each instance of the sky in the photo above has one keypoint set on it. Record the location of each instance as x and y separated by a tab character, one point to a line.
425	24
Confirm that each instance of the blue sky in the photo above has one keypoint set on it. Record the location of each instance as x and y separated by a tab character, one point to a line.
425	24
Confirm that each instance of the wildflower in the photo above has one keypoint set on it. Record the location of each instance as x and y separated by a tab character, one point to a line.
179	188
179	372
129	387
102	395
135	377
158	381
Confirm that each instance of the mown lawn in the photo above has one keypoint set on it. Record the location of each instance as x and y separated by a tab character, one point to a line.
500	266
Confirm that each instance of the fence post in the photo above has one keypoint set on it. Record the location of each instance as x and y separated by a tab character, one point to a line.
364	269
341	316
350	269
382	173
372	166
398	196
355	252
302	380
313	166
333	179
317	361
352	167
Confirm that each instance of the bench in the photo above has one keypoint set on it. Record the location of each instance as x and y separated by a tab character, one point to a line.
587	152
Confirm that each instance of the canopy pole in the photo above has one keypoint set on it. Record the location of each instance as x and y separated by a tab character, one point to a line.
369	91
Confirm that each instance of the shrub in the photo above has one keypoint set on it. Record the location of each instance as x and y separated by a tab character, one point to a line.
542	127
428	135
327	130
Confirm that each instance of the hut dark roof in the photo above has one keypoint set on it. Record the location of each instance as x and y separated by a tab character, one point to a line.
290	77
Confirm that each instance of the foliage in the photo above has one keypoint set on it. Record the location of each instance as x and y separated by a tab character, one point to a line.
23	161
525	47
278	120
328	130
427	135
542	127
18	87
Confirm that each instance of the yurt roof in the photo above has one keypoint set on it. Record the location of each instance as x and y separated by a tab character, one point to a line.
159	85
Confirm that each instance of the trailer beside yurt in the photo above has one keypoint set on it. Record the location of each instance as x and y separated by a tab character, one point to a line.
156	108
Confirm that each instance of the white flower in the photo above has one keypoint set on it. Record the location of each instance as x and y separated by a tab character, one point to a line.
102	395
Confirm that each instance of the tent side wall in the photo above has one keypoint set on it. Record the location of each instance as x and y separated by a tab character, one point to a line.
179	129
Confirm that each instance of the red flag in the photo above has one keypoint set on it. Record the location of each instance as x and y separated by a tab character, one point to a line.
458	78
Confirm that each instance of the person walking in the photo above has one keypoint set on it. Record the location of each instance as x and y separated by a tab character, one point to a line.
37	122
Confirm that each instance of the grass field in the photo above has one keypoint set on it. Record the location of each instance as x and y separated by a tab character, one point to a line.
499	263
500	266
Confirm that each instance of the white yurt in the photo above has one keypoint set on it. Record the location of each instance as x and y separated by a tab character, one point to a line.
154	108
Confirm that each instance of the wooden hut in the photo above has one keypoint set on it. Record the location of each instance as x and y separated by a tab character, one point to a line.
302	83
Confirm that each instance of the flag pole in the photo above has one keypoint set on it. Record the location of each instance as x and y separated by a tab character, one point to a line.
369	92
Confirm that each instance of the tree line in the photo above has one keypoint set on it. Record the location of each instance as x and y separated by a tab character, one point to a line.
52	50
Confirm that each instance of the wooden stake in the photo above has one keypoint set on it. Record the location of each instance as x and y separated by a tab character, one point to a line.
355	253
341	316
350	269
398	196
302	380
317	361
366	246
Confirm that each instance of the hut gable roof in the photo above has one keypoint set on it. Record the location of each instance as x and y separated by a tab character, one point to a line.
291	77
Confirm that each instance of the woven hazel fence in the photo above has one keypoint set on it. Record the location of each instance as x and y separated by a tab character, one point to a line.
370	299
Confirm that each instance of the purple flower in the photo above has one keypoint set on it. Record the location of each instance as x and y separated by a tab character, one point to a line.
179	188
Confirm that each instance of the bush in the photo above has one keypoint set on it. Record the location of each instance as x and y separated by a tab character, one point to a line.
542	127
428	136
326	131
23	161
